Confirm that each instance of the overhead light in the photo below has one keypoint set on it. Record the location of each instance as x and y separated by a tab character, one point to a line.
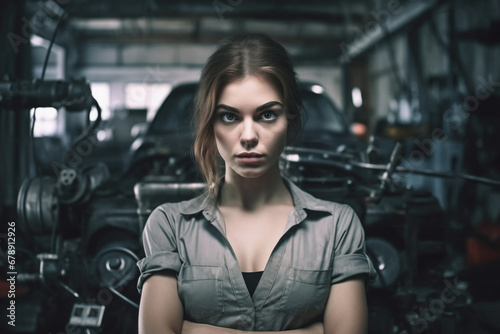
357	98
37	40
317	89
97	24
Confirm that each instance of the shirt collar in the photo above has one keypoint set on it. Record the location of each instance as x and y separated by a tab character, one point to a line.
203	203
305	201
301	199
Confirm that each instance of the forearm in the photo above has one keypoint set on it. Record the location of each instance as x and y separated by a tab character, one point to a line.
195	328
160	310
346	311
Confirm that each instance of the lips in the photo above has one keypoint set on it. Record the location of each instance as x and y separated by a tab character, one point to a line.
249	157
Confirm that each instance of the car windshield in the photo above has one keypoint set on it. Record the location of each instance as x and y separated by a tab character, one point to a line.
174	116
321	114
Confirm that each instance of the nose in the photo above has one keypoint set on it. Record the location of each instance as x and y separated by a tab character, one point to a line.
249	136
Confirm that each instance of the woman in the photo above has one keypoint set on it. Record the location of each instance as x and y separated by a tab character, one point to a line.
254	253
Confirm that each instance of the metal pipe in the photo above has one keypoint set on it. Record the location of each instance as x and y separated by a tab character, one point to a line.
412	11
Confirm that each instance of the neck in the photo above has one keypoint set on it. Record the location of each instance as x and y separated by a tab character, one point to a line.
252	193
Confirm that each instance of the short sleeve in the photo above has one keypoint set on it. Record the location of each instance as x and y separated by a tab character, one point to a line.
350	252
160	246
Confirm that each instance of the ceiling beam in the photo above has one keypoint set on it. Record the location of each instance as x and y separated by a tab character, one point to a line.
318	10
379	31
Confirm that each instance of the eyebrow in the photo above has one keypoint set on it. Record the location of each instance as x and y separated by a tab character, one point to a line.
259	108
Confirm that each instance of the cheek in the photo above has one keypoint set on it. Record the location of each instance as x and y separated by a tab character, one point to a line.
278	138
222	140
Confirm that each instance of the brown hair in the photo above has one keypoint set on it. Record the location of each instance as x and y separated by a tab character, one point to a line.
236	58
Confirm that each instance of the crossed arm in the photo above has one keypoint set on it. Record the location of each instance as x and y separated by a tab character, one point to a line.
161	310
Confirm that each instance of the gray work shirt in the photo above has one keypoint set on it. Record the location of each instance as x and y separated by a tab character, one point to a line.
322	244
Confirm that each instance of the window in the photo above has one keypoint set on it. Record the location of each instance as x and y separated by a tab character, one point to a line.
146	96
101	92
45	123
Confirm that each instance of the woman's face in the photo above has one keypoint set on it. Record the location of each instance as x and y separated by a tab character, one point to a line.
250	126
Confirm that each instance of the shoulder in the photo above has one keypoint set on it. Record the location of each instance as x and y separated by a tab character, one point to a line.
308	202
339	214
332	207
187	207
172	212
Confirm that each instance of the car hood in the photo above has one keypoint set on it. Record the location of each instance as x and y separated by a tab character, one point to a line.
328	140
178	144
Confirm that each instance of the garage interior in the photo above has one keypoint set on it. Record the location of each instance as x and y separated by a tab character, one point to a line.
417	84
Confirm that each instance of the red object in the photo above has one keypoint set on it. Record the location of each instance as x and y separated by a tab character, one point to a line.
5	289
484	246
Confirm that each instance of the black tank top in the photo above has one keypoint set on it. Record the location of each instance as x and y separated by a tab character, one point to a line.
251	280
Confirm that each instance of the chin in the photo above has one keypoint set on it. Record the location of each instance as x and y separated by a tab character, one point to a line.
253	172
250	173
